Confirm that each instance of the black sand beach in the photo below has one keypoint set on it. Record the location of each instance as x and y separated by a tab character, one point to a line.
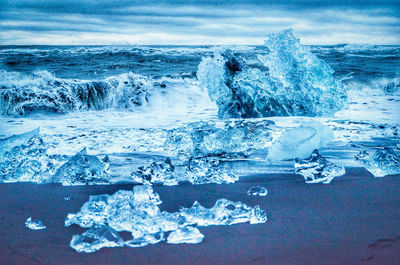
353	220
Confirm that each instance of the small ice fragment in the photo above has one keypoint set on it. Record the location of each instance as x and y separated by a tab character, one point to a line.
67	198
157	172
95	239
384	162
34	224
205	171
300	142
316	169
257	216
257	191
188	235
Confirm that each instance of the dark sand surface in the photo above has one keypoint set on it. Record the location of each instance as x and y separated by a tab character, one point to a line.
353	220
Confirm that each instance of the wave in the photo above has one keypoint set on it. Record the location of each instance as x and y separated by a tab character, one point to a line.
376	85
21	94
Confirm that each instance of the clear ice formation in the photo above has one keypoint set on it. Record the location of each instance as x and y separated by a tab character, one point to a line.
157	172
196	171
236	138
83	169
383	162
28	161
257	191
95	239
22	94
208	170
296	83
187	235
316	169
24	162
16	140
34	224
137	212
300	142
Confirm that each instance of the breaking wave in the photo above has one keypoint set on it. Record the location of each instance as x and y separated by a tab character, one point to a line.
21	94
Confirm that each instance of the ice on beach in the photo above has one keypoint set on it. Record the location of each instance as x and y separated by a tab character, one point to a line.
17	140
316	169
138	212
157	172
25	161
257	191
34	224
195	171
187	235
83	169
300	142
231	138
383	162
208	170
296	82
96	238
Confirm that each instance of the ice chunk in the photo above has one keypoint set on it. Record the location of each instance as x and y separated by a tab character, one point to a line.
34	224
301	141
209	170
95	239
316	169
83	169
257	191
384	162
137	212
188	235
297	82
224	138
21	139
224	212
157	172
25	162
195	171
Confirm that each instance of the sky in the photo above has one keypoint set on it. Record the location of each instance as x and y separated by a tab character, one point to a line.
181	22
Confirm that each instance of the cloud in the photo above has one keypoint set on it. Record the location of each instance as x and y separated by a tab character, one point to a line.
188	22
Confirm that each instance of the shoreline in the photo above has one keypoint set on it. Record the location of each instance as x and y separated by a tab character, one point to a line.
353	220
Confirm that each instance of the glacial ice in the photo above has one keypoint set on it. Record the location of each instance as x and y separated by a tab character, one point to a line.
235	138
24	162
34	224
83	169
257	191
383	162
157	172
316	169
95	239
137	212
209	170
196	171
16	140
297	82
300	142
22	94
188	235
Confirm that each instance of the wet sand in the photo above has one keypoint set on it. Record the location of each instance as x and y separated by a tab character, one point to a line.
353	220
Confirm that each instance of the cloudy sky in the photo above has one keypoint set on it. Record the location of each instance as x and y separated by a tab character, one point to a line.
197	22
